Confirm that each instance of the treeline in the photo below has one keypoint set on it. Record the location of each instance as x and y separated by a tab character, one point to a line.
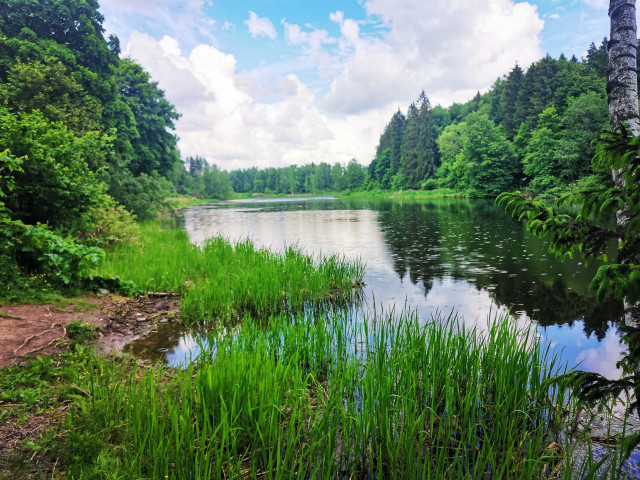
531	130
207	181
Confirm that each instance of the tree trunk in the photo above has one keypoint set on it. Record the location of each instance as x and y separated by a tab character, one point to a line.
622	92
622	85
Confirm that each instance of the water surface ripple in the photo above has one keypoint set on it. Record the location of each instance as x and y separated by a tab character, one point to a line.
437	255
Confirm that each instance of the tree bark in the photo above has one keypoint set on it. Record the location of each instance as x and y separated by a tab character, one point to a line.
622	84
622	92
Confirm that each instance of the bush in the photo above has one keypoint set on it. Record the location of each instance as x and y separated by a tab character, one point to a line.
35	250
430	184
52	183
143	195
111	225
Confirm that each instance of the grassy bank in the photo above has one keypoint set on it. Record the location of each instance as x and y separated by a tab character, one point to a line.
297	392
328	398
181	201
437	193
222	281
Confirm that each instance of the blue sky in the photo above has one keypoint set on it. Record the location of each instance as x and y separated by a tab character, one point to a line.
279	82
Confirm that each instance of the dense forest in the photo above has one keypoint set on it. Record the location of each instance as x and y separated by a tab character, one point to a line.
83	130
86	144
531	130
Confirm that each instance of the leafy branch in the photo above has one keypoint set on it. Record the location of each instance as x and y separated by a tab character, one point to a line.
620	152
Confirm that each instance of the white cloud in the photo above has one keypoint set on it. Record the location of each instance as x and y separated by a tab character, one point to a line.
224	123
603	358
329	97
554	16
452	49
260	27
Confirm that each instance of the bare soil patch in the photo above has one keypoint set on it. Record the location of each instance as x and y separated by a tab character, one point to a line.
37	330
29	330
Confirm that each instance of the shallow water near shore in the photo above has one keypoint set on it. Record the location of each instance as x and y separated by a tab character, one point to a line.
433	256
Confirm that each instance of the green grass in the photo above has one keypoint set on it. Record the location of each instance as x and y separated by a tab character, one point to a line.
222	282
322	398
437	193
41	382
19	286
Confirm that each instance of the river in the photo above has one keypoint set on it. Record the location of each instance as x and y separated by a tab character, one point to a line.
429	255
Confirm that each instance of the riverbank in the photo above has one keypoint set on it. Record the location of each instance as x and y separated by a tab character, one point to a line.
44	329
179	202
319	396
290	382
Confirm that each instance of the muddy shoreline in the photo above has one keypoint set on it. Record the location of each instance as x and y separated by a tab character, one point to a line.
37	330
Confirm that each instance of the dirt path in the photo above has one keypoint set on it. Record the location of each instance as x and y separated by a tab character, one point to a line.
36	330
30	330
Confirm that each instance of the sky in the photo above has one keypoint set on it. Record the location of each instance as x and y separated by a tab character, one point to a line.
272	83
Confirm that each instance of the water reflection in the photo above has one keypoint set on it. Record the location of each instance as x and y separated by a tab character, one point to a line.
474	242
438	255
171	342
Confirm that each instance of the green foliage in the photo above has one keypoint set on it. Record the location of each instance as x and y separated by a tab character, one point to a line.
450	144
216	183
541	152
80	333
75	24
36	251
545	117
111	225
56	63
557	151
56	185
354	175
8	165
153	146
304	179
33	385
476	157
48	87
337	177
419	152
584	120
221	282
389	163
295	398
144	195
36	263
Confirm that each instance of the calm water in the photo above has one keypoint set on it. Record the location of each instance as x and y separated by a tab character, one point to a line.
428	255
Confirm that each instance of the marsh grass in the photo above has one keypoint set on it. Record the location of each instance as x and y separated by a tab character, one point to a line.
320	398
225	281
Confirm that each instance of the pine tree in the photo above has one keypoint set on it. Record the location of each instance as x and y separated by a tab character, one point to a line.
508	100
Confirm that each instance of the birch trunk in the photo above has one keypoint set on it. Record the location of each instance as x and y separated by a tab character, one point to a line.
622	92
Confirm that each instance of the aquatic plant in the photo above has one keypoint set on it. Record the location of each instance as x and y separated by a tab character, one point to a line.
223	281
323	398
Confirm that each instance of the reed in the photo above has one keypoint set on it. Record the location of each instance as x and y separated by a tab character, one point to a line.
224	281
317	397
